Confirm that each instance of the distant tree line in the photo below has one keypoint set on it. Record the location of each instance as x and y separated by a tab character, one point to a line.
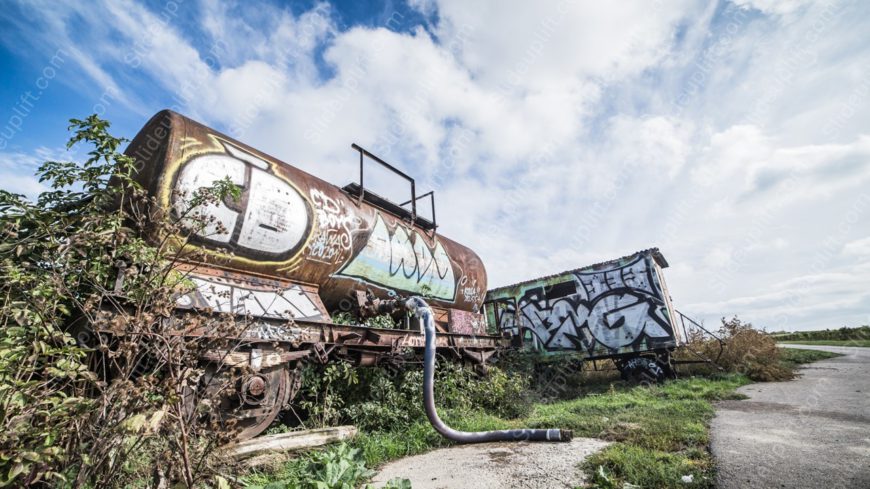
842	334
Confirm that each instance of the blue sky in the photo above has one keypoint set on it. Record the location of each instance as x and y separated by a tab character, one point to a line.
733	135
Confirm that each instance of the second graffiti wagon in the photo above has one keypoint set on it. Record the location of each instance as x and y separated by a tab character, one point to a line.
619	309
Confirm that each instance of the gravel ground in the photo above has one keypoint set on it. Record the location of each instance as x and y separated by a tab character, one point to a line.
812	432
495	465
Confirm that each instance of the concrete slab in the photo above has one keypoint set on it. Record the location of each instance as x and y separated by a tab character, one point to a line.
495	465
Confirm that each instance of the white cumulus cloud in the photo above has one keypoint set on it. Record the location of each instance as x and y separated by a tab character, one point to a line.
731	135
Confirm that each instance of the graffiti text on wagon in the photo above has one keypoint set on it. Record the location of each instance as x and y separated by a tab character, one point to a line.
395	260
223	295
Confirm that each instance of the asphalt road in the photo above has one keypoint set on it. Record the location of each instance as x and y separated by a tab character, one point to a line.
813	432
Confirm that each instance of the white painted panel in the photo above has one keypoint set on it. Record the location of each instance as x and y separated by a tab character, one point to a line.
202	172
276	218
218	296
296	297
226	295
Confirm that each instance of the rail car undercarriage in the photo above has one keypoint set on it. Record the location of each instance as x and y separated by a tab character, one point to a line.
265	360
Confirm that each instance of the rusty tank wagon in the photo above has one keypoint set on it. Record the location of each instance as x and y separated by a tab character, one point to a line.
294	250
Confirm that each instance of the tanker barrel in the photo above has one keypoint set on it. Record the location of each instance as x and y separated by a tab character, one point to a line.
292	227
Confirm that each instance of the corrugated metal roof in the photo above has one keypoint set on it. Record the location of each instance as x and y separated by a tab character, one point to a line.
656	254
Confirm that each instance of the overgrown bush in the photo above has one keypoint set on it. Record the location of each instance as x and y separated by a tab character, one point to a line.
499	392
380	399
94	377
323	392
386	400
746	351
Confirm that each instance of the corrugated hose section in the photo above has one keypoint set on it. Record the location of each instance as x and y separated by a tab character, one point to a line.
424	313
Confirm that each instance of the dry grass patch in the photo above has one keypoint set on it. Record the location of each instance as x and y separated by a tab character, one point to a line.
747	351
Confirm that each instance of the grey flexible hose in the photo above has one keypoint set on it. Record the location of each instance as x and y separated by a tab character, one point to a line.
422	310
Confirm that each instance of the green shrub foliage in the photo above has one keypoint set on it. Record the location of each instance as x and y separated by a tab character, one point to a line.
380	399
79	408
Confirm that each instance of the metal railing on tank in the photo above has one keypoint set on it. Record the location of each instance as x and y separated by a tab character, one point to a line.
359	191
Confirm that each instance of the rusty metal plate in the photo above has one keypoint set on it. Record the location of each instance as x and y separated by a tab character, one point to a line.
465	322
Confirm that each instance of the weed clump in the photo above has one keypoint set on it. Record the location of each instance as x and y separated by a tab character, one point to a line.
647	468
337	467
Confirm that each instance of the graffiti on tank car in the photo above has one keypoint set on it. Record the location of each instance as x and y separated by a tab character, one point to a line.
271	219
272	332
395	259
471	292
466	322
226	295
615	309
419	341
327	246
336	224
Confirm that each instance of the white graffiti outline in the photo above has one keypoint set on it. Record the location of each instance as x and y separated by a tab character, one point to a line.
336	225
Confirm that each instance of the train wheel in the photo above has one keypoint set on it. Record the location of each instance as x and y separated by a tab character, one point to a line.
246	405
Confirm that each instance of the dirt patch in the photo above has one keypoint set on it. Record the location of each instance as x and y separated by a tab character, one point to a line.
495	465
